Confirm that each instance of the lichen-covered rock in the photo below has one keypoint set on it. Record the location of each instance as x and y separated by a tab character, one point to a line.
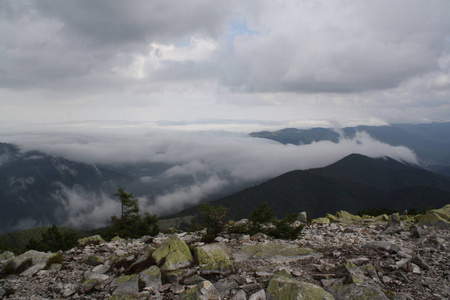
95	260
151	278
333	219
437	217
382	217
352	272
214	259
284	287
346	216
202	291
323	221
126	285
357	292
31	258
6	255
173	254
90	240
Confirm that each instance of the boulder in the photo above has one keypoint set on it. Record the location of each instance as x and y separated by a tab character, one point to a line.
333	219
323	221
352	272
437	217
346	216
284	287
91	240
143	261
202	291
173	254
126	285
213	259
29	259
356	291
151	278
6	255
302	217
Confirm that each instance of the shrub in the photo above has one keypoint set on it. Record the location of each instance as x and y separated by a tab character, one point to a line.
53	240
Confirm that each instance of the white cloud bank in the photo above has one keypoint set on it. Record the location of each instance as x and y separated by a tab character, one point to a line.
215	160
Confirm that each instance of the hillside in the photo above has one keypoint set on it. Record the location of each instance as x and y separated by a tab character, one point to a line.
336	257
32	186
431	142
354	183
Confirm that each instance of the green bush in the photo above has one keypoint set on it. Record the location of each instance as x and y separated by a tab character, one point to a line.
53	240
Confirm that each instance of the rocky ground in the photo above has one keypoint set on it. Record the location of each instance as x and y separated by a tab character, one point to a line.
337	257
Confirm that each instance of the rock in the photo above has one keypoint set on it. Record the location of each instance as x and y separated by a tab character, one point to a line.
275	252
90	286
437	217
352	272
173	254
214	259
383	245
346	216
91	240
357	292
6	255
101	269
126	285
283	287
92	275
224	287
31	258
144	261
240	295
180	274
323	221
259	295
203	291
333	219
151	278
94	260
302	217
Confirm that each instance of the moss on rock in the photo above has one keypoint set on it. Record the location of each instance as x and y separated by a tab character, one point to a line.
215	258
173	254
90	240
284	287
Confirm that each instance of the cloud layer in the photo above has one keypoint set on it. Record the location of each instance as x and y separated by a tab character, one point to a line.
213	162
187	60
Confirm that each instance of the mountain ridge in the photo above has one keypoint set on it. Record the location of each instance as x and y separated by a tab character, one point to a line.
324	190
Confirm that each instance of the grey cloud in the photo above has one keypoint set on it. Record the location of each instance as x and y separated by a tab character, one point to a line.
340	48
215	161
84	209
138	22
183	197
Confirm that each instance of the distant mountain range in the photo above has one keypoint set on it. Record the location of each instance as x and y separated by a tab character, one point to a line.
354	183
38	189
431	142
31	184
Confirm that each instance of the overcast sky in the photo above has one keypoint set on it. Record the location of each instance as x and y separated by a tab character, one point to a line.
232	65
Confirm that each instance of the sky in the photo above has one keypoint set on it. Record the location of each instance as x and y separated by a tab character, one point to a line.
222	65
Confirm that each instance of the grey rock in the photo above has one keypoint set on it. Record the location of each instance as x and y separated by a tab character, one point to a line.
151	278
240	295
126	285
259	295
356	292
